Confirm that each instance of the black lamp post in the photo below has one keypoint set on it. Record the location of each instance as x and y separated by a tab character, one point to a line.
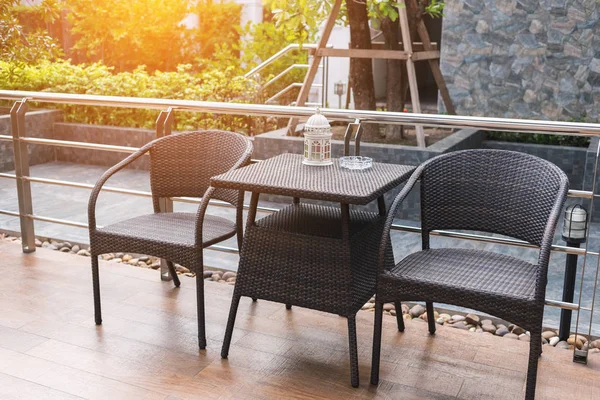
574	233
339	88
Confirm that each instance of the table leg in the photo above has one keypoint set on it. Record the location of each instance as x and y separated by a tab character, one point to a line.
252	211
345	221
381	206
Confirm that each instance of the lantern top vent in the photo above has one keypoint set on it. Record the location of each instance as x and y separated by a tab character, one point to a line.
317	124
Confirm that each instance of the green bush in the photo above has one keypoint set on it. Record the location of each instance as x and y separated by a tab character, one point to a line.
97	79
538	138
557	140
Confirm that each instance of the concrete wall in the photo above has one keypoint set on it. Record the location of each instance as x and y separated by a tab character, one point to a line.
37	124
118	136
523	58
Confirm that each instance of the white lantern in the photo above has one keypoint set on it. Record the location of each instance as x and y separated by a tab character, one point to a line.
317	140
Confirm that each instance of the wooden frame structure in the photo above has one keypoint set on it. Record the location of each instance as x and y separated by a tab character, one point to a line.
422	51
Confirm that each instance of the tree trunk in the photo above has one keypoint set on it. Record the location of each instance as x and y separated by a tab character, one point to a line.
361	69
395	96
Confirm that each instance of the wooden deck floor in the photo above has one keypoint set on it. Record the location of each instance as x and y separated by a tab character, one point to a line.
147	349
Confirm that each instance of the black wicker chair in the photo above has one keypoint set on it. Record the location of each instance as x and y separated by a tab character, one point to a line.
501	192
181	165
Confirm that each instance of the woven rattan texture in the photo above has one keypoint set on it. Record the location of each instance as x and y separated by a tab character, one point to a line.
156	231
285	175
503	192
183	164
495	191
310	264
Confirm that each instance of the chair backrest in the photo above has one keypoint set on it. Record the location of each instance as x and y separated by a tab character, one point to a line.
181	165
494	191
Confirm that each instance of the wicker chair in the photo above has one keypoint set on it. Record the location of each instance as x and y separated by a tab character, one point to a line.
502	192
180	165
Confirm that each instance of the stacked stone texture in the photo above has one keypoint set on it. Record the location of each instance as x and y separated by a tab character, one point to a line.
523	58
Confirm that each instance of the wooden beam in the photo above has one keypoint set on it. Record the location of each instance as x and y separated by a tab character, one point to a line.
426	55
410	69
363	53
314	66
417	46
377	54
434	65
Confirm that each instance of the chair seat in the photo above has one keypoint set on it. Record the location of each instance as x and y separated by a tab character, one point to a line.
176	229
462	270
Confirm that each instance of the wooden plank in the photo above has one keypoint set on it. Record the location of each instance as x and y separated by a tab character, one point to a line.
363	53
417	46
426	55
147	346
410	69
378	54
434	64
314	66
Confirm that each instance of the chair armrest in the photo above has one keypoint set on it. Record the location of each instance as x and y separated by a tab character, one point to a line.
200	214
110	172
385	236
546	244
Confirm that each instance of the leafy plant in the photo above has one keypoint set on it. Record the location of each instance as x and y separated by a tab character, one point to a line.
63	77
19	46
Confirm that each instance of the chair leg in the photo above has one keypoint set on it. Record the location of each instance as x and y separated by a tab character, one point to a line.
173	273
200	309
235	302
399	316
96	284
376	343
535	345
288	306
430	318
354	380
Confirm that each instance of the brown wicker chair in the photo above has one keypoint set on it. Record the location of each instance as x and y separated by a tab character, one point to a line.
502	192
181	165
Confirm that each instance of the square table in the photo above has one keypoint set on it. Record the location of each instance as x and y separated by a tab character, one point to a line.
314	256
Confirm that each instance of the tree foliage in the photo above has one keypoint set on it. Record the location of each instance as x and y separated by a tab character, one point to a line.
97	79
126	34
19	46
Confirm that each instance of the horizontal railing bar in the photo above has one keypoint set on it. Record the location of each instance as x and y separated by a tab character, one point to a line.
491	239
57	221
11	213
224	249
365	116
80	145
562	304
583	194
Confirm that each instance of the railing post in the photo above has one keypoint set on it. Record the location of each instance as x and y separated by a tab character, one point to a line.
21	158
164	125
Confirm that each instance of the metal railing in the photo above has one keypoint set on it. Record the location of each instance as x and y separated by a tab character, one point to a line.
168	107
323	66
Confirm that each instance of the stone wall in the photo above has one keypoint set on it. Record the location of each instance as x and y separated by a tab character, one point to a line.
523	58
37	124
117	136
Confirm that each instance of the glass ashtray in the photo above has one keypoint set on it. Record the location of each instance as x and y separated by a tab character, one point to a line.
356	162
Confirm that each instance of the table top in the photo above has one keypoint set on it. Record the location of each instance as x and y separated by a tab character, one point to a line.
285	175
